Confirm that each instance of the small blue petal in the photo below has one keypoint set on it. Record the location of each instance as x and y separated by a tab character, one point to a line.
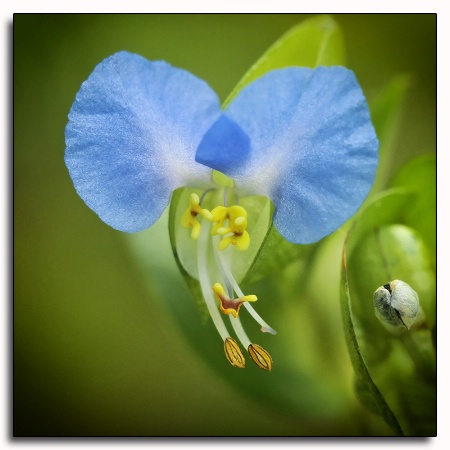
225	147
314	149
132	135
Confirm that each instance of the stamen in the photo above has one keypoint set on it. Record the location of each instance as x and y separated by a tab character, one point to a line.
228	276
219	215
236	211
260	357
234	353
237	217
189	218
222	213
230	305
240	237
205	283
240	332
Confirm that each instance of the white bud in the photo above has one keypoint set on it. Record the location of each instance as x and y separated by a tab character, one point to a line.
397	304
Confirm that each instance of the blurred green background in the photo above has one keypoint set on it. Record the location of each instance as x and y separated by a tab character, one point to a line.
96	350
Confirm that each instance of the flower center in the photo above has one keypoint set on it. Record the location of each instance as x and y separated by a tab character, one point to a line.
216	230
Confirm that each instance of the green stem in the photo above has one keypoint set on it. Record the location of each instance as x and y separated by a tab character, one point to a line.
419	346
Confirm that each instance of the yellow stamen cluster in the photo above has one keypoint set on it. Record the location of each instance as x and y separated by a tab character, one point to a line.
235	228
189	218
231	305
237	224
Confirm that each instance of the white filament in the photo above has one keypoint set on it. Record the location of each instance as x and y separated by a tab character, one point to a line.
239	330
229	279
235	321
205	282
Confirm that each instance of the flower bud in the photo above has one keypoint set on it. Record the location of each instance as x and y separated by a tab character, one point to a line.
396	304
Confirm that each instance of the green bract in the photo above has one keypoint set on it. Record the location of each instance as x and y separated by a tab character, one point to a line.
395	368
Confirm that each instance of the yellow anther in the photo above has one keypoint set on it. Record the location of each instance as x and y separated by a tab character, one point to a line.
222	213
237	224
236	211
260	357
219	215
240	237
234	353
229	305
189	218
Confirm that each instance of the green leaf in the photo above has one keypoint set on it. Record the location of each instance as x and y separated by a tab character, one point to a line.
419	175
411	200
393	252
391	366
365	387
174	227
274	254
386	110
384	208
314	42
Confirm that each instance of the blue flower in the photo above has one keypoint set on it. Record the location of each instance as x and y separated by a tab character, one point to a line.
302	137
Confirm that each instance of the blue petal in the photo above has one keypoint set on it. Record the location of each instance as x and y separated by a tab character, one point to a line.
225	147
132	135
314	150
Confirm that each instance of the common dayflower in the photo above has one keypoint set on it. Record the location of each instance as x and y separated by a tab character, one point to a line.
303	138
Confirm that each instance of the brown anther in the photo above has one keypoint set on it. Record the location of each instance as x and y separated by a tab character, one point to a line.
233	353
260	357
